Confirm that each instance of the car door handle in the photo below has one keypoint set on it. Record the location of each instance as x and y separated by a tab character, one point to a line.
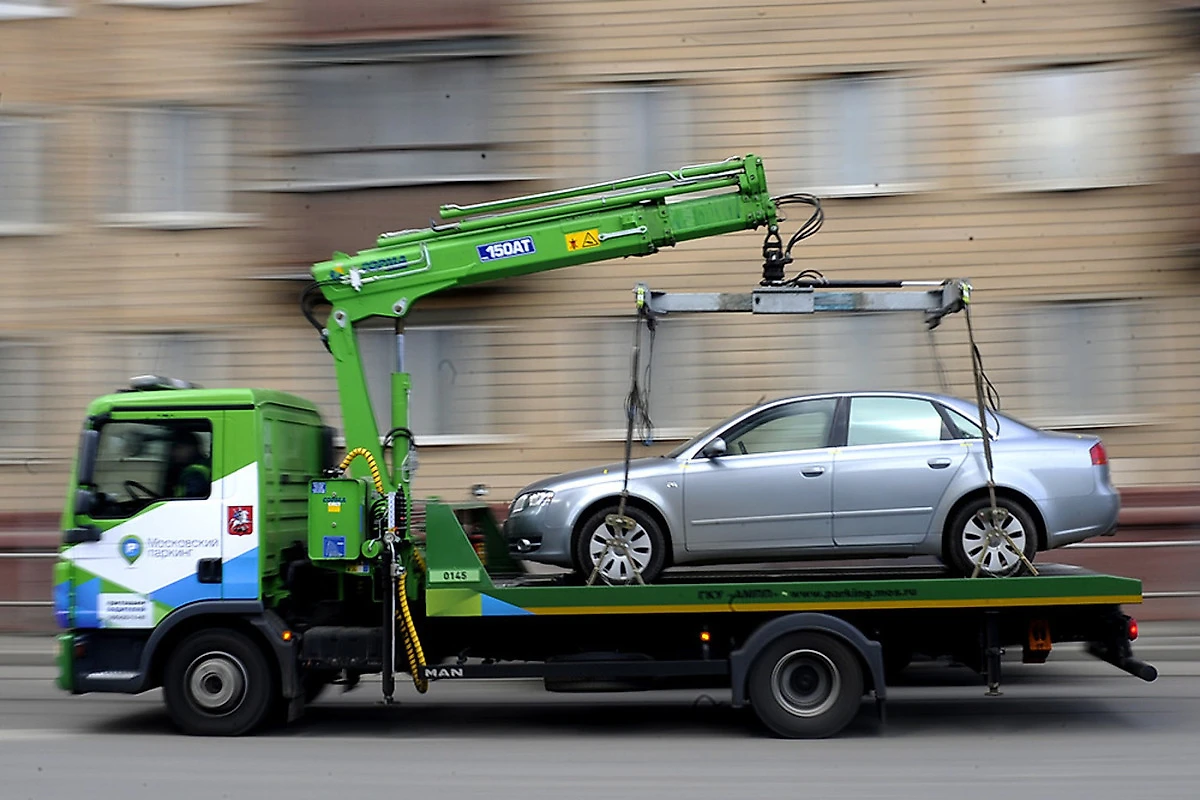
812	472
939	463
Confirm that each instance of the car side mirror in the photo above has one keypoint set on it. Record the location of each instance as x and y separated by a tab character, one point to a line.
715	448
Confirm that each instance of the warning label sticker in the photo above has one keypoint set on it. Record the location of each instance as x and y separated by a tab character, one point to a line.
580	240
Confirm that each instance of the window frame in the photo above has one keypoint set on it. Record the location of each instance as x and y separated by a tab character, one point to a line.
16	10
681	141
1138	169
804	97
120	126
427	439
137	505
745	424
497	48
45	129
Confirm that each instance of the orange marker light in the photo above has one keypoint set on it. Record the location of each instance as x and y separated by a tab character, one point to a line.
286	636
705	636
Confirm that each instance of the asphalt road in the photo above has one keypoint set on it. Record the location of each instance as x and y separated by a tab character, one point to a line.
1074	729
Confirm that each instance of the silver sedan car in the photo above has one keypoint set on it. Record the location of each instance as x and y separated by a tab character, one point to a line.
844	475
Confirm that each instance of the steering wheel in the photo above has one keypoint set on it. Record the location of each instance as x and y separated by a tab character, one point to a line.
130	486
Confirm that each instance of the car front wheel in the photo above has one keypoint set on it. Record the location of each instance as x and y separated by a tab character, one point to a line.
619	552
994	545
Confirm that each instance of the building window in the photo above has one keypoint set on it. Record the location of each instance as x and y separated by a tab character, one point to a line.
196	358
173	165
452	396
1082	363
865	351
635	130
395	123
674	368
1063	128
850	136
32	9
21	393
21	167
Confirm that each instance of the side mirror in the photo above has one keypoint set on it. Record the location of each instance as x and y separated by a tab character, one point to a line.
89	445
85	501
715	449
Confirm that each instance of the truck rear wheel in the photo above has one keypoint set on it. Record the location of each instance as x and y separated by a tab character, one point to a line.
218	683
806	686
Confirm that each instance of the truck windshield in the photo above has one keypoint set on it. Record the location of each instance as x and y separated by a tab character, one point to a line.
138	463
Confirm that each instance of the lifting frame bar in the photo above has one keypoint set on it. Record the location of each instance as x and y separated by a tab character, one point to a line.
939	299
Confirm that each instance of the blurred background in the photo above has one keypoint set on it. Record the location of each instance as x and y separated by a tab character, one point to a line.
170	169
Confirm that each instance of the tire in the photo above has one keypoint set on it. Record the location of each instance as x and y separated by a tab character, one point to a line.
806	686
647	541
966	539
218	683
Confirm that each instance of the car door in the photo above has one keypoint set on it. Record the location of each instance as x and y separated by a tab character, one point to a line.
771	490
898	461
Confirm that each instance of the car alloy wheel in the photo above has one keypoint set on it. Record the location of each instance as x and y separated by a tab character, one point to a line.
985	544
619	551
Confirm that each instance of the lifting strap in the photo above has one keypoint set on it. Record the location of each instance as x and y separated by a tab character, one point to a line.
637	404
994	514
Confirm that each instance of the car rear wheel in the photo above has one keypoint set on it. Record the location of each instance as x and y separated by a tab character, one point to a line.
618	550
974	540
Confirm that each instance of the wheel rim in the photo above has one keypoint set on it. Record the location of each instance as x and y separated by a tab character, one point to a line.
806	683
986	547
629	548
216	683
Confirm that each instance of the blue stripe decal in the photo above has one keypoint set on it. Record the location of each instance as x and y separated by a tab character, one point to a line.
87	600
491	607
240	576
62	604
186	590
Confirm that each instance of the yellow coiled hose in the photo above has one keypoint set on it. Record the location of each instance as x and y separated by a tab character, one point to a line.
412	642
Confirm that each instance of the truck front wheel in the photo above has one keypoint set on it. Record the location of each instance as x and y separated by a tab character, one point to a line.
217	683
806	685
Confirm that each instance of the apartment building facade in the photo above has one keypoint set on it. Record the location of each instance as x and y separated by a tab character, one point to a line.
171	168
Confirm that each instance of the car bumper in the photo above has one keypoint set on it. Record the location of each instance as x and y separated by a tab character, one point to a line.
1088	517
539	536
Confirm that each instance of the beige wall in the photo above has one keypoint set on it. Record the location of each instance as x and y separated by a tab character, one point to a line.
743	76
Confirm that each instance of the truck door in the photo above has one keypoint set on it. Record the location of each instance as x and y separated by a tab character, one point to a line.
157	512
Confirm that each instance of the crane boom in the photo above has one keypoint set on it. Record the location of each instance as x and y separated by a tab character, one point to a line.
634	216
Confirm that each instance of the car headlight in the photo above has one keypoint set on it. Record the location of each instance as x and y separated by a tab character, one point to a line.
531	500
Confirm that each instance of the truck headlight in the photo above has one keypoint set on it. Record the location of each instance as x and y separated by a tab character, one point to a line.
531	500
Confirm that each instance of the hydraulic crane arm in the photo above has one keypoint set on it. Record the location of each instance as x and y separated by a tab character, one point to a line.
508	238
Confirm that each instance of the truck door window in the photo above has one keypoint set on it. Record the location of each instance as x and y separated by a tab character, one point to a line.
139	463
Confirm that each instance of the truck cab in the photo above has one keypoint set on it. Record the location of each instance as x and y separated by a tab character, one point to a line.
182	496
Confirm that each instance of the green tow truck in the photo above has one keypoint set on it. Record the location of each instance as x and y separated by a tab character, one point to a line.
216	547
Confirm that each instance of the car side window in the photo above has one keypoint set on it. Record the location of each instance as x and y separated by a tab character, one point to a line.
796	426
967	428
894	420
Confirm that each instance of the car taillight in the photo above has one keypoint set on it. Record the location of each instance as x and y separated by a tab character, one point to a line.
1098	455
